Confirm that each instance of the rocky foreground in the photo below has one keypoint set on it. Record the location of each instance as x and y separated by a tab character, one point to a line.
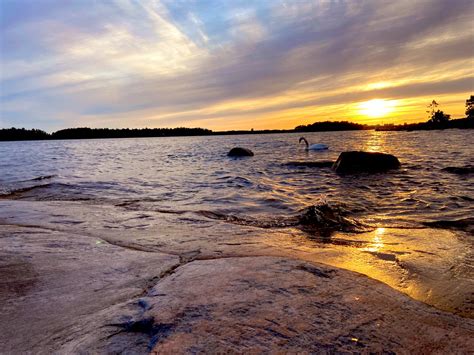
77	293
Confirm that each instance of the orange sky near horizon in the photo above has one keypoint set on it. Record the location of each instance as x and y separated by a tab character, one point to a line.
403	111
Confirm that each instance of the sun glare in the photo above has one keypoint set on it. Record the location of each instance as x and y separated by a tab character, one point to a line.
376	108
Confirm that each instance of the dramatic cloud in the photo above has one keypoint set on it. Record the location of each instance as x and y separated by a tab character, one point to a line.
230	64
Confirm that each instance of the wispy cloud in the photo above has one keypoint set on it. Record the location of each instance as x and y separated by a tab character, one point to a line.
236	64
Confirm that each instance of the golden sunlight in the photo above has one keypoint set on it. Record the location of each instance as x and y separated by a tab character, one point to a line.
377	241
376	108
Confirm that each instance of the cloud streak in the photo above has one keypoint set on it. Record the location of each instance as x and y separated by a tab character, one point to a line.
228	64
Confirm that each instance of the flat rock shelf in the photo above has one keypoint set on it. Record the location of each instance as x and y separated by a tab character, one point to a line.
75	293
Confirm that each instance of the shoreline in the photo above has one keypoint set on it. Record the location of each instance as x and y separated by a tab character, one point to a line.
318	127
71	289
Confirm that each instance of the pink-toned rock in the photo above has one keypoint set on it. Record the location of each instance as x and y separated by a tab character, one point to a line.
270	304
58	288
88	289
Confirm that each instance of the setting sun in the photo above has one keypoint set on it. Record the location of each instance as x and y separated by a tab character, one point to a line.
376	108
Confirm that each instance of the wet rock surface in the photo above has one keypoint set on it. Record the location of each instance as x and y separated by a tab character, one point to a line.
270	304
70	285
56	287
364	162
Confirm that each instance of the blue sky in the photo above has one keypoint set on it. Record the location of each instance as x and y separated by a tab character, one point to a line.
231	64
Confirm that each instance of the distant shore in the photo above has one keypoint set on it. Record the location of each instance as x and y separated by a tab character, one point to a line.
22	134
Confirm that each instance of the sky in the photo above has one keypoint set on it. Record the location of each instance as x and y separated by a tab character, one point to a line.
231	64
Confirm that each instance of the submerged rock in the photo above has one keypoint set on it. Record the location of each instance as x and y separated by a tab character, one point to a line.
460	170
463	224
311	164
240	152
365	162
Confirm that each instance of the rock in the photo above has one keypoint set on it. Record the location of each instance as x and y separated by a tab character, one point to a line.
58	303
324	219
240	152
130	296
460	170
280	305
364	162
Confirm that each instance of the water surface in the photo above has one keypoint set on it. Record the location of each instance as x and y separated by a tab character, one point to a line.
193	173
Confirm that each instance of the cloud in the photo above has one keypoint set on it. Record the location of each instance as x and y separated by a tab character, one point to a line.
127	63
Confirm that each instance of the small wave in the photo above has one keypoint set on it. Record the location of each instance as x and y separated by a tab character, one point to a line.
47	192
40	178
320	220
13	193
248	221
147	205
239	181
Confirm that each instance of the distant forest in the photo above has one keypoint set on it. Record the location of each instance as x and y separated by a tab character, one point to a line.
19	134
437	119
22	134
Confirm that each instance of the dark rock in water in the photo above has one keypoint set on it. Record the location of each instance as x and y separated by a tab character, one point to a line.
460	170
323	219
240	152
364	162
311	164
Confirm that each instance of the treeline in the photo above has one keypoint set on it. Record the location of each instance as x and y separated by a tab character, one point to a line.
331	126
20	134
437	119
91	133
15	134
461	123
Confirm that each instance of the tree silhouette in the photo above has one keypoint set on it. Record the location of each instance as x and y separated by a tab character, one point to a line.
432	109
436	116
439	117
470	108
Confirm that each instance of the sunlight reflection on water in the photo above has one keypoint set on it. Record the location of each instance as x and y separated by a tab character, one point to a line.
377	242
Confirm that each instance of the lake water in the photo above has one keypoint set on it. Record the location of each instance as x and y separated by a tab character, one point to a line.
191	183
194	174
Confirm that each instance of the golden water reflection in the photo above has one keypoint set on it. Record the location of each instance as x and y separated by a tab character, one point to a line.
428	265
376	142
377	242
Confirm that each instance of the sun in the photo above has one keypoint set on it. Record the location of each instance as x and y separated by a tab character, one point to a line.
376	108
